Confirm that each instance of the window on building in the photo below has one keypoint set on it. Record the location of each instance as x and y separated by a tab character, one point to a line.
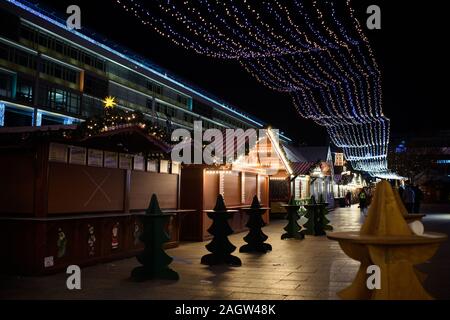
21	58
203	109
59	46
5	85
24	91
17	118
74	103
91	106
59	99
42	40
58	71
154	87
188	118
127	95
28	33
17	56
182	100
87	59
73	53
100	64
48	120
161	108
150	104
95	86
4	52
171	112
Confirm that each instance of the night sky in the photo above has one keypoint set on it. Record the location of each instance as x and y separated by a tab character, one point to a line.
410	49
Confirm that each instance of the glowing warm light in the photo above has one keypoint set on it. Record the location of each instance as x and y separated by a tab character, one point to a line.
280	153
218	171
109	102
277	178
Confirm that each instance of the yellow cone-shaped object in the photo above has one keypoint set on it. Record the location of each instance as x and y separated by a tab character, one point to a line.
385	217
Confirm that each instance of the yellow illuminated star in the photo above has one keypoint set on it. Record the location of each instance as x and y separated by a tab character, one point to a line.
109	102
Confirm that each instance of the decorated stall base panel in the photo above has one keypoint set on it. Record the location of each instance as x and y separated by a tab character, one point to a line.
61	243
115	236
91	241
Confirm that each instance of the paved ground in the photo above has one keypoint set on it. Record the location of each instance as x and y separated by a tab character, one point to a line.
314	268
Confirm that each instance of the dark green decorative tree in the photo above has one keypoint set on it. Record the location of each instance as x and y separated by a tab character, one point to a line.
255	237
321	198
324	213
220	247
154	259
293	229
316	214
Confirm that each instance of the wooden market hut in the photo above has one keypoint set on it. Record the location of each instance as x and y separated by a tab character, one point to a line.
238	181
75	200
311	173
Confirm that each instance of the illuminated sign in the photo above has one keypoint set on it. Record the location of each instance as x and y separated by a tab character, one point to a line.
338	159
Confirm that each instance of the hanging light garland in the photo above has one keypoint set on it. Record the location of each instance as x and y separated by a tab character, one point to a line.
296	47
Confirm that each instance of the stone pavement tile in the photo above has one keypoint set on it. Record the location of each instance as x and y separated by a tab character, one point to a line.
295	292
336	289
245	289
297	276
331	277
299	298
213	297
342	278
212	294
349	269
310	294
270	269
251	278
306	269
324	286
329	296
258	271
272	284
254	296
259	284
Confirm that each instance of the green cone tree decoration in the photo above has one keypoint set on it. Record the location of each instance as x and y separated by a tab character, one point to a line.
293	229
316	214
255	237
324	213
154	259
220	247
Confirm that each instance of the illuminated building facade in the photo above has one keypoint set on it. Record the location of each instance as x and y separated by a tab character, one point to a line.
50	75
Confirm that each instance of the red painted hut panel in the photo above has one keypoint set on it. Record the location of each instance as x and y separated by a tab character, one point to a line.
232	190
16	191
74	189
144	184
250	187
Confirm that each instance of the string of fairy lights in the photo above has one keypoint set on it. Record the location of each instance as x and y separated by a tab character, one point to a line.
315	51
